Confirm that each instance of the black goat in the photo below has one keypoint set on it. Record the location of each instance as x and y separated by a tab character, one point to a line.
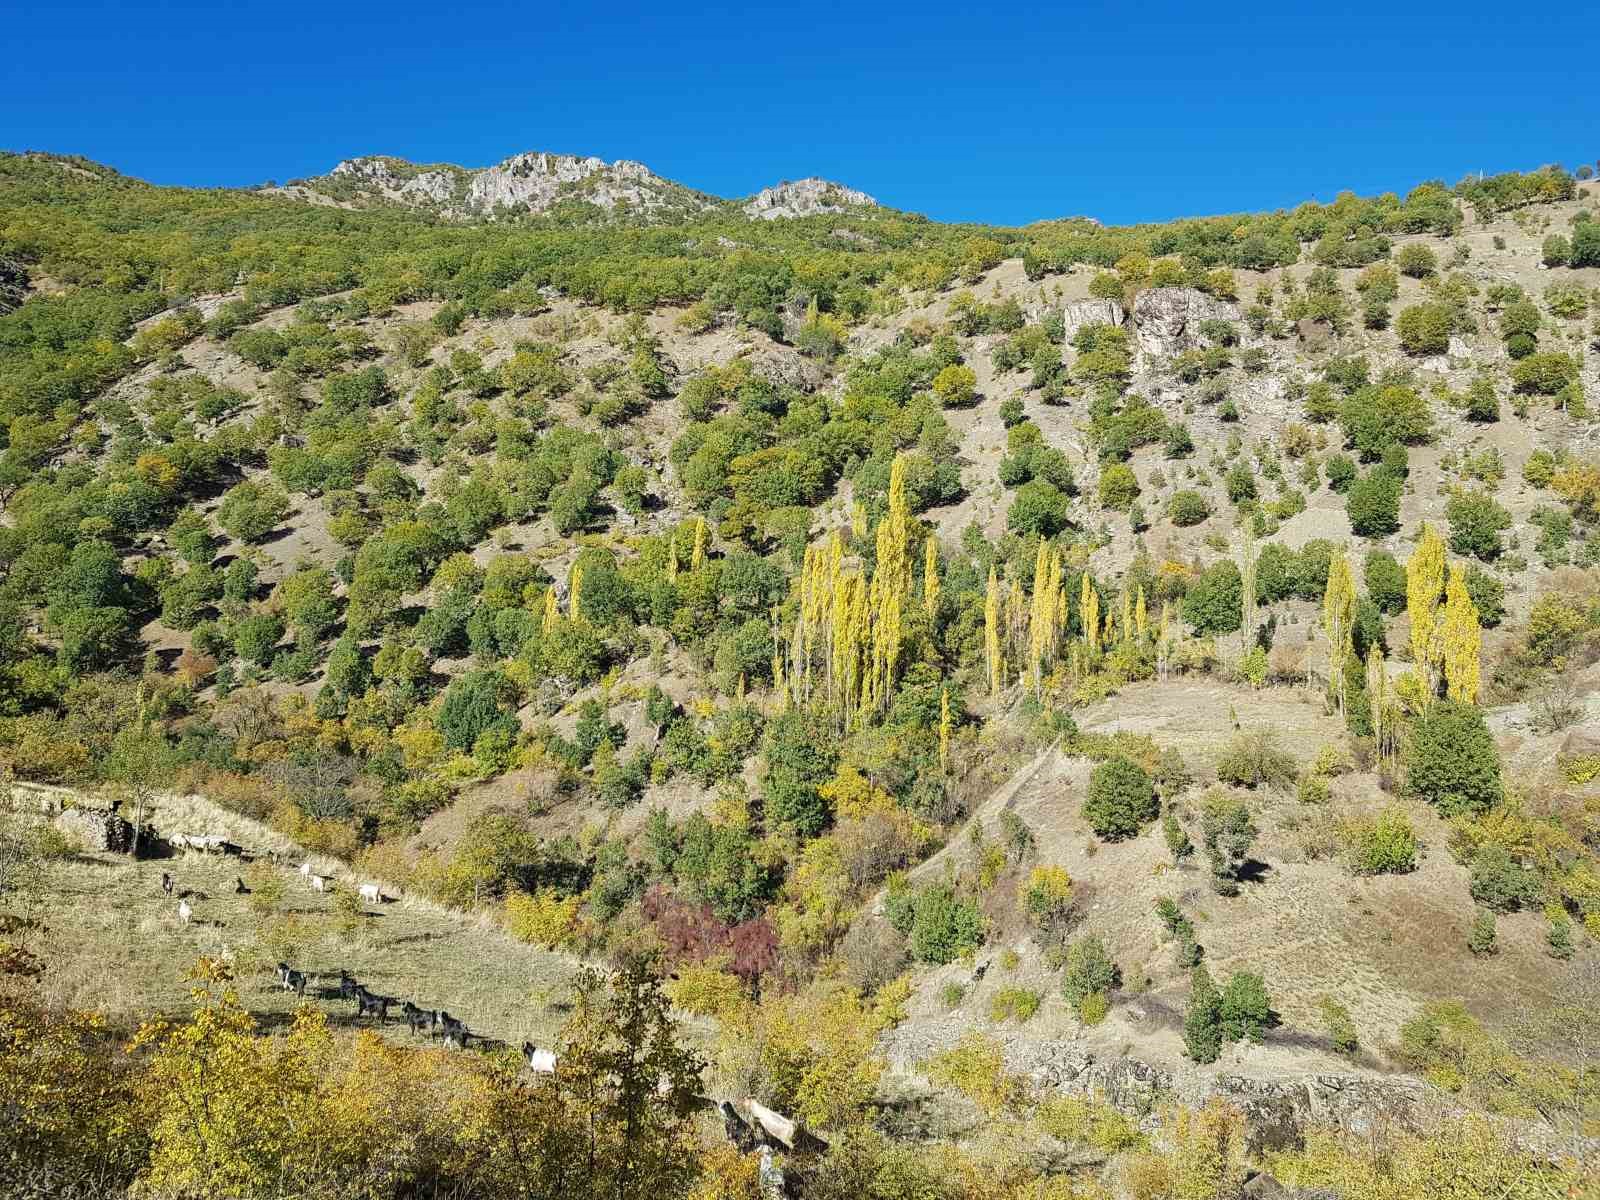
166	883
291	980
239	888
348	987
370	1003
419	1019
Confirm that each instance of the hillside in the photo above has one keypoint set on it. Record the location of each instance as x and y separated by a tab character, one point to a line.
944	652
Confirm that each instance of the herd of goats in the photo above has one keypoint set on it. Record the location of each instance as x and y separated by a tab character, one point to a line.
760	1129
435	1023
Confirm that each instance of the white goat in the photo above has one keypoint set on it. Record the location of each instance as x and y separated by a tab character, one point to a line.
370	893
184	912
319	883
305	869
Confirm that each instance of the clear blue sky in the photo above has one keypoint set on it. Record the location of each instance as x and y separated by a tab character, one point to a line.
1005	113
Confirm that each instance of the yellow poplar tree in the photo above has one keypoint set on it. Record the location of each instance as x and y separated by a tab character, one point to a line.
991	631
930	576
1338	620
1461	640
1424	587
1089	615
574	598
697	558
551	611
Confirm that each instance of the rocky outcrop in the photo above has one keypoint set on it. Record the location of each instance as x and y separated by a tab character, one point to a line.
1166	320
805	198
1076	315
529	183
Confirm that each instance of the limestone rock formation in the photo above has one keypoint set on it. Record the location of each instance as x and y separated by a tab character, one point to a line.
1166	320
529	183
805	198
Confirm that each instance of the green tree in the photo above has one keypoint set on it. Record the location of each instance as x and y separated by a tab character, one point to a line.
477	703
1121	799
1476	522
1424	329
1202	1021
1373	504
1451	760
249	511
1215	604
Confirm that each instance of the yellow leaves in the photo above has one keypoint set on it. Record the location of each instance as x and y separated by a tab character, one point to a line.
706	990
1424	587
976	1068
544	918
421	746
1462	640
991	633
157	471
930	577
853	795
728	1175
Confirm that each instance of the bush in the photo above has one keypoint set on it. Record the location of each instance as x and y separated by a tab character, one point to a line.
1386	582
1039	508
1341	1028
956	386
1014	1003
1384	846
1451	761
1178	843
944	926
1253	760
1047	896
1228	832
1501	884
1012	412
1119	486
1089	972
1544	374
1122	797
1240	483
1187	508
1246	1009
1481	938
1476	521
1341	472
1424	329
1416	260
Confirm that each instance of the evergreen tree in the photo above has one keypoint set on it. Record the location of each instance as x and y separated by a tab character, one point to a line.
1202	1023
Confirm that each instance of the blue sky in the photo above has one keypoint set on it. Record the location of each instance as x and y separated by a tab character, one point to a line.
1006	114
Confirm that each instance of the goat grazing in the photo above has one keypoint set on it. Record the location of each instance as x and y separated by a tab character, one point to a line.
542	1061
370	893
239	888
184	912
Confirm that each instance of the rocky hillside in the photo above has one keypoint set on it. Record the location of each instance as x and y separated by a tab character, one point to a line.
984	667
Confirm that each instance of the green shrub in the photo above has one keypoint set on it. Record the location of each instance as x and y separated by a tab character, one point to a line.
1122	797
1215	603
1386	845
1451	761
1228	833
1341	1028
1188	508
945	926
1202	1021
1014	1003
1501	884
1246	1009
1253	759
1089	972
1481	937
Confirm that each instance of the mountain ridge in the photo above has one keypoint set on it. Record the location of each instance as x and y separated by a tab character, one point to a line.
535	182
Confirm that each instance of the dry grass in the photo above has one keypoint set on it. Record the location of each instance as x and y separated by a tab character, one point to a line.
115	944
